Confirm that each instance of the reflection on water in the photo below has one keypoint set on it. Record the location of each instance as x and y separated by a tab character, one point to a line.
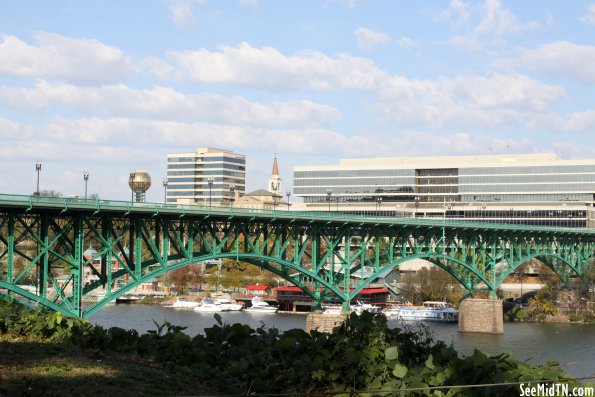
572	345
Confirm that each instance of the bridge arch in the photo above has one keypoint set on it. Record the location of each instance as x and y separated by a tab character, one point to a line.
260	261
432	258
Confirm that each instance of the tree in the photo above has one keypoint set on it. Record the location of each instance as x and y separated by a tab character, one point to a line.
184	277
434	283
50	193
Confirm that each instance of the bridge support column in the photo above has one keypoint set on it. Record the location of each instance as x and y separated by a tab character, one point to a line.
324	322
481	316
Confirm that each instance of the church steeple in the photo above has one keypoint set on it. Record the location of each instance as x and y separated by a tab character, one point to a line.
275	179
275	166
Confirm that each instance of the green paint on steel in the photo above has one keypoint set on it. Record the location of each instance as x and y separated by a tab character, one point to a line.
42	241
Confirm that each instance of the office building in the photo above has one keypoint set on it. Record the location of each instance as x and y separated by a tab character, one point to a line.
538	189
208	176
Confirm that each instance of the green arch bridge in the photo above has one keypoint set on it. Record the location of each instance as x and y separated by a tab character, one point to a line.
42	240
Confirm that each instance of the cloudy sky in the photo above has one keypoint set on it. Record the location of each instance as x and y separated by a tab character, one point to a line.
110	86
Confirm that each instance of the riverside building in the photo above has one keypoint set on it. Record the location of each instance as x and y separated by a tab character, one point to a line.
208	176
535	189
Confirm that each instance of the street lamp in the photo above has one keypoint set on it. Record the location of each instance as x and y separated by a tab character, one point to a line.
483	208
210	182
38	169
232	189
378	203
288	193
416	204
165	190
86	179
329	193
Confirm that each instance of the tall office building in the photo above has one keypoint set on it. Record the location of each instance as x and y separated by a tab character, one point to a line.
207	176
538	189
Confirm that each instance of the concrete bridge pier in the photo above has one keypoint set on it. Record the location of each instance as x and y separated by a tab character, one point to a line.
481	316
318	321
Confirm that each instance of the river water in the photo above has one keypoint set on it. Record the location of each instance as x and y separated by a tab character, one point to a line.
572	345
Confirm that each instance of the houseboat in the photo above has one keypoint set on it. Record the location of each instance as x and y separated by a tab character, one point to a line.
430	311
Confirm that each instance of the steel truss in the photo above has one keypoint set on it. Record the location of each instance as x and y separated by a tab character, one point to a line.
42	242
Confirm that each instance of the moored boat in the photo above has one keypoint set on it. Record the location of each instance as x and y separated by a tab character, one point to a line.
208	305
182	303
430	311
260	306
127	298
228	305
358	308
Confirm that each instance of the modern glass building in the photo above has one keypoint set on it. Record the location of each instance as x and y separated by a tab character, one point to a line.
539	189
206	176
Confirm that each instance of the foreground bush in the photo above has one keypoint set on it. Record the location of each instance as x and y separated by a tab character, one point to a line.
361	356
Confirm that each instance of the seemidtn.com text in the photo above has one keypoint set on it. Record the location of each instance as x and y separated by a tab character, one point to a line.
555	389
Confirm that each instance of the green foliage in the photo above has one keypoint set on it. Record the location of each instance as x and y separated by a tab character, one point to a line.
362	357
17	321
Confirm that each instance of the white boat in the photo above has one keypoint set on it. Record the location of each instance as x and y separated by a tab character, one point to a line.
357	308
228	305
360	307
182	303
260	306
128	298
430	311
208	305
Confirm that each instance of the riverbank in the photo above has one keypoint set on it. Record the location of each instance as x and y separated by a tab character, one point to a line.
363	354
33	368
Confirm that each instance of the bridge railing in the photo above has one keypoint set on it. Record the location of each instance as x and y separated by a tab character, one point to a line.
98	205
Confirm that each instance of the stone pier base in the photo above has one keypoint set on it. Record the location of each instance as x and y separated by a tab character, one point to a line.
324	322
482	316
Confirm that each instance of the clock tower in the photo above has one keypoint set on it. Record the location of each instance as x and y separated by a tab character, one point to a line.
275	179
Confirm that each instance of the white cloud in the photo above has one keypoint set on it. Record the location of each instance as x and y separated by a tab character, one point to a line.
85	61
347	3
166	103
182	12
250	3
406	42
494	21
470	100
368	39
589	16
499	21
583	121
115	134
559	59
466	101
457	13
268	68
466	43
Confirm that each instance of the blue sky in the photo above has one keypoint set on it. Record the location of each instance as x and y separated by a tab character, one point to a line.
114	85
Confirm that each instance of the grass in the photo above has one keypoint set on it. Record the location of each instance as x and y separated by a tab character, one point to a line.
47	369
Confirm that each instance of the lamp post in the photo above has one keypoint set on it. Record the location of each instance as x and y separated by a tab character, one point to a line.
232	189
416	204
165	190
38	169
288	193
483	208
86	179
210	182
329	193
521	274
378	203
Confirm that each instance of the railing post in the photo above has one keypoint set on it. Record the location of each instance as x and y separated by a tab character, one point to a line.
78	268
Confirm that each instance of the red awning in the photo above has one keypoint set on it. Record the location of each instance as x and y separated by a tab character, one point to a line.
257	288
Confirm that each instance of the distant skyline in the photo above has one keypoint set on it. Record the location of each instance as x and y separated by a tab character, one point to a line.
114	86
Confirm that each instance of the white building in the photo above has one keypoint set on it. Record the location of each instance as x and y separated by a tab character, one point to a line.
537	189
208	176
